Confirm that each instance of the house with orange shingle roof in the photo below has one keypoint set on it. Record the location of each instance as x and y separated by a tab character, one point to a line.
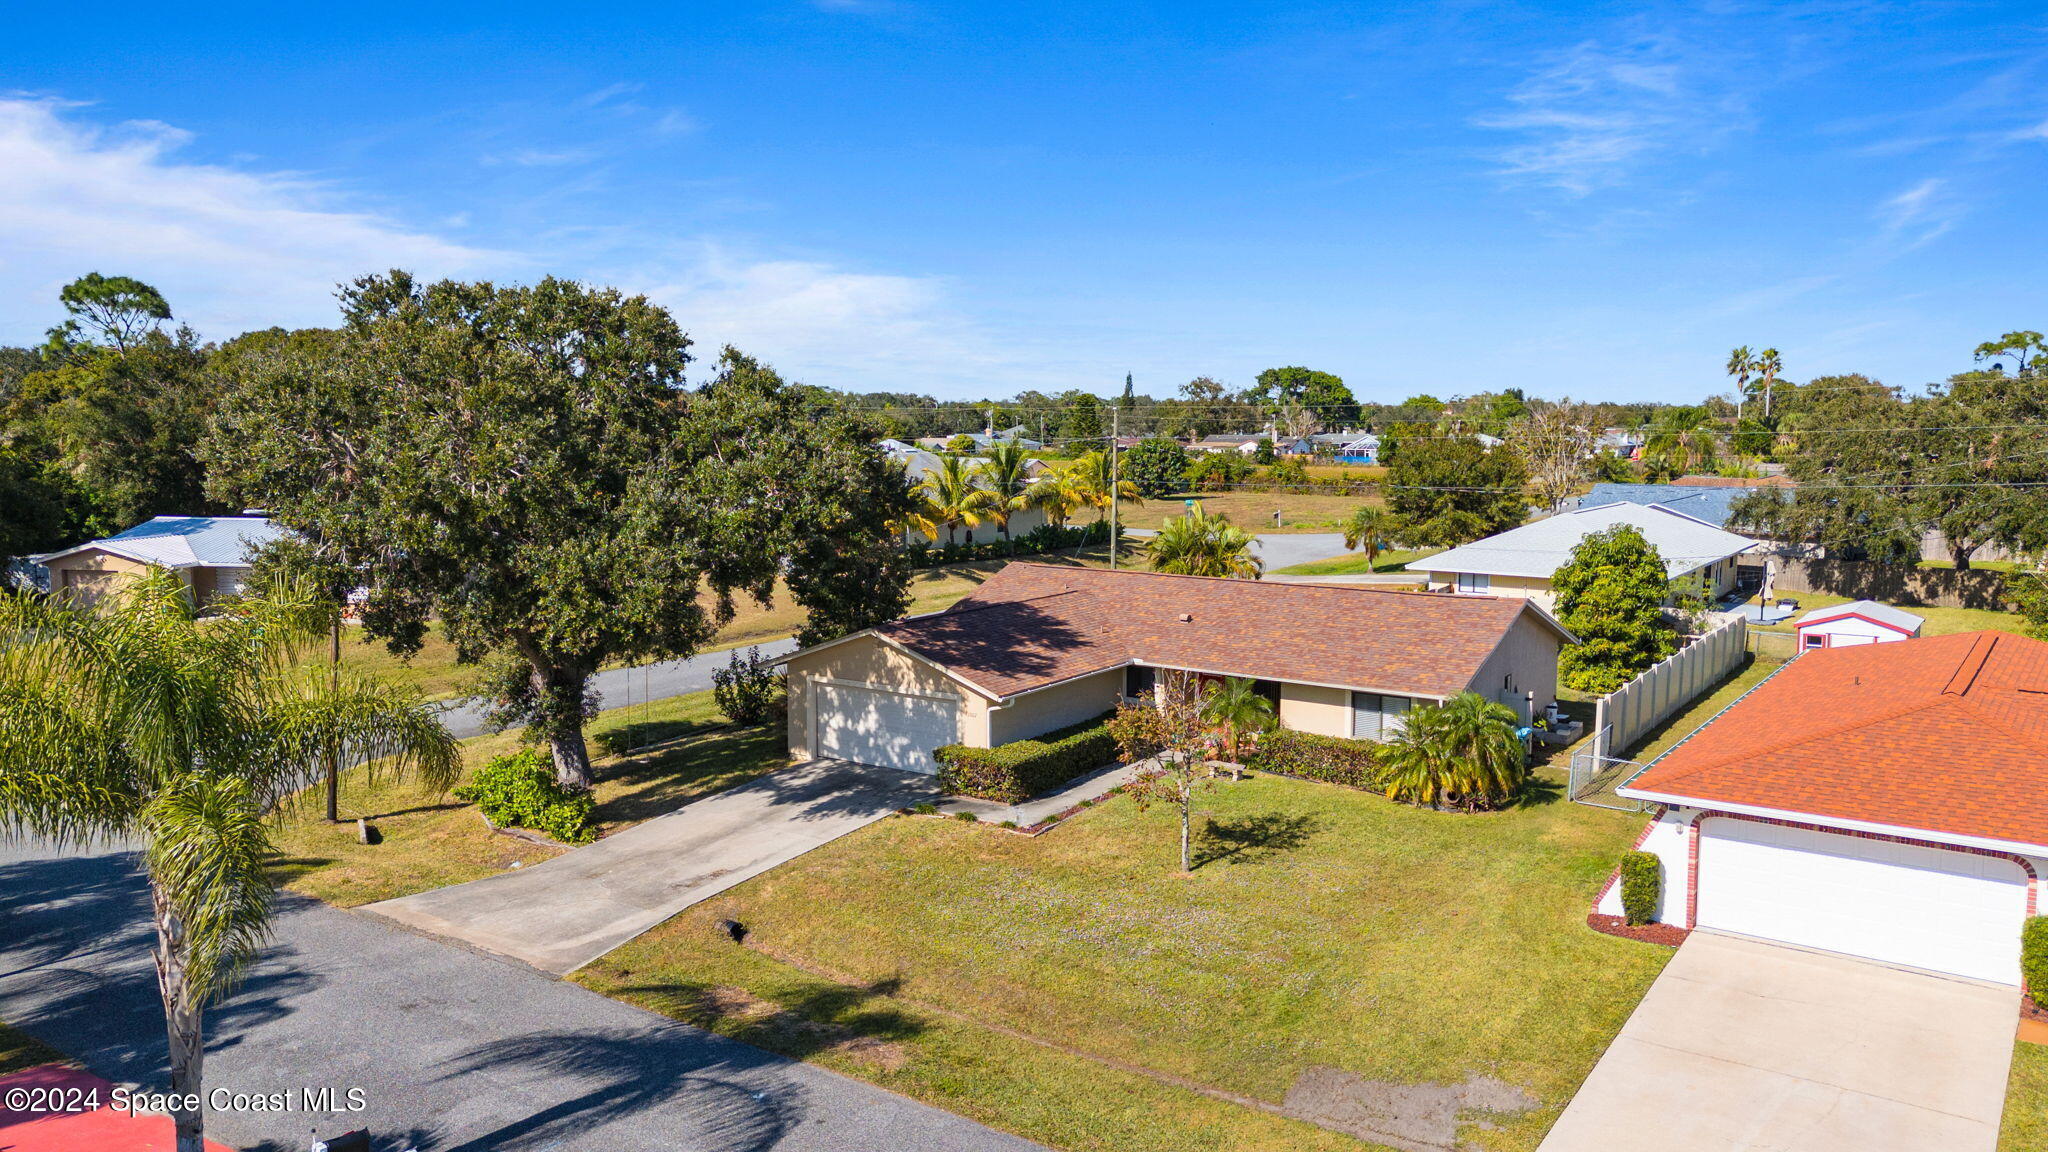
1040	647
1888	801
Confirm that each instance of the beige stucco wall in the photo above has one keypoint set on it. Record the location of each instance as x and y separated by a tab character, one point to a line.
91	572
1312	708
867	660
1023	520
1535	588
1525	661
1056	707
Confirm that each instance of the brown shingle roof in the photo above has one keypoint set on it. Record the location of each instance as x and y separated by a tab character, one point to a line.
1945	734
1031	625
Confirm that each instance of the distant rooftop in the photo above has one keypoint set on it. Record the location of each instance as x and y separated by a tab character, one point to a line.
188	541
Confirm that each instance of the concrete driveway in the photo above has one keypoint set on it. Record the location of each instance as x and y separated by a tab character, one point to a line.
563	913
1746	1045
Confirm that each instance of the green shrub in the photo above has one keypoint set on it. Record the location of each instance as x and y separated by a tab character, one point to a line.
2034	958
1330	759
1139	731
970	817
748	689
1642	886
519	791
925	809
1021	769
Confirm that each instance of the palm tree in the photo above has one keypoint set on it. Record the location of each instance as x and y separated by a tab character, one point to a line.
1741	365
1372	529
1061	493
1234	705
953	496
131	719
1199	544
1464	754
1003	474
1091	477
1768	365
1683	438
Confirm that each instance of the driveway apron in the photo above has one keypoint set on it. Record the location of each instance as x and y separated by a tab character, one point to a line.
563	913
1744	1044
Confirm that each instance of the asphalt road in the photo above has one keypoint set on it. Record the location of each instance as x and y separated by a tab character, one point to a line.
453	1051
615	686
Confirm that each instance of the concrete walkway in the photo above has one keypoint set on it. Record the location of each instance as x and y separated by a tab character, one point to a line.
1750	1046
563	913
452	1050
1093	786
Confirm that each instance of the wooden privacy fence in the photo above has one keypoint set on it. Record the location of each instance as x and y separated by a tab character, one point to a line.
1624	715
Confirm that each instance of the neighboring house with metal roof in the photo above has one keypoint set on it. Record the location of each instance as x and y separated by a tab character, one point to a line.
1888	801
1857	622
1521	561
212	554
1711	505
1039	647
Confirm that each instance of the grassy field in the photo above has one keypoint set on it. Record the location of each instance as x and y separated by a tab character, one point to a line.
429	840
434	670
1252	511
1325	929
2026	1101
1353	564
19	1051
1940	621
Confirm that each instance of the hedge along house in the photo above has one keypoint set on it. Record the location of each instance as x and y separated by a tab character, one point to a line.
211	554
1039	647
1887	801
1521	561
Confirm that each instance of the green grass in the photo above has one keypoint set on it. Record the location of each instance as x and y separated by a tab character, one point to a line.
2026	1101
430	840
20	1051
1353	564
1324	927
1940	621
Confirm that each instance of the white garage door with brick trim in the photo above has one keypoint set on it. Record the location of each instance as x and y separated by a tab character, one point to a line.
1924	907
877	726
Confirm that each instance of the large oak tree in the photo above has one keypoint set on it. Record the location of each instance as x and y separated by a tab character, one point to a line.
528	466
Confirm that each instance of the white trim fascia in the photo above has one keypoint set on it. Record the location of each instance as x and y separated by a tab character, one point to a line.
1927	834
110	547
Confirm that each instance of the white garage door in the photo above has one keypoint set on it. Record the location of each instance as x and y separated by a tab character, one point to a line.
876	726
1906	904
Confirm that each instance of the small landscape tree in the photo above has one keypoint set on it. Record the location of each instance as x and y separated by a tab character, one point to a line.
1182	768
1235	706
1157	466
1464	755
1611	595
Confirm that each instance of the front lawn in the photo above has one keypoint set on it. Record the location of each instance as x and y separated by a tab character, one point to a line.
1353	564
2026	1101
427	840
1076	989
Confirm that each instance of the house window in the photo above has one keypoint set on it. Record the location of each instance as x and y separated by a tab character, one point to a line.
1377	717
1817	641
1138	681
1472	582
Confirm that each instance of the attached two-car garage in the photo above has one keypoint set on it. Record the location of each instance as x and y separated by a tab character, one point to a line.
872	725
1942	909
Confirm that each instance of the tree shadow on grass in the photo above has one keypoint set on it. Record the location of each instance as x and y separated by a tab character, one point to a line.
1251	839
1539	792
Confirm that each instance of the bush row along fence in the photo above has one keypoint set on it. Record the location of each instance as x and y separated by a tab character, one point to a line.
1895	583
1625	715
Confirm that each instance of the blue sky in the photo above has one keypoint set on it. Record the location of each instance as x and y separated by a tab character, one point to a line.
1594	200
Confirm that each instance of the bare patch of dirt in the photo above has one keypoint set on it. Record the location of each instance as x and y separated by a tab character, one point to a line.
1410	1117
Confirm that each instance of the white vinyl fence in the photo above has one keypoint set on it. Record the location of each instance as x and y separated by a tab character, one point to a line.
1624	715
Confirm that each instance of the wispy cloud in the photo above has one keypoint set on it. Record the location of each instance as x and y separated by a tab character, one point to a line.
232	247
542	158
1919	214
1593	115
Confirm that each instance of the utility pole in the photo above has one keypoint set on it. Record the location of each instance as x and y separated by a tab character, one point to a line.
1113	485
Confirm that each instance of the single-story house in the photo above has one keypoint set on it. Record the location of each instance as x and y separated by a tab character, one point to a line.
985	438
1038	647
212	554
1349	447
1888	801
1245	443
1857	622
1521	561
